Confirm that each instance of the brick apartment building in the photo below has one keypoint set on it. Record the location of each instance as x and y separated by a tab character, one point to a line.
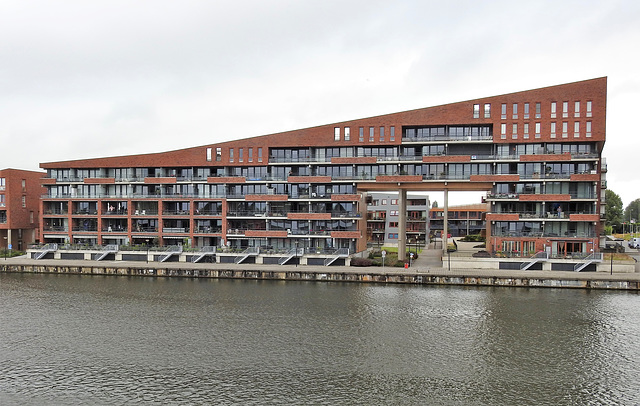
20	193
536	153
463	220
383	215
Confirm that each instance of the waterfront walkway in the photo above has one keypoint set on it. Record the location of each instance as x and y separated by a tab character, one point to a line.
422	266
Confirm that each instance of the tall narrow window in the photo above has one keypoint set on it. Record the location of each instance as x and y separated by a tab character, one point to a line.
576	109
250	154
371	134
336	134
503	114
515	111
537	130
476	111
487	110
24	201
589	112
538	110
381	134
230	154
565	109
526	110
392	133
209	154
576	129
554	107
218	154
553	130
503	131
565	129
240	154
347	133
361	134
259	154
525	131
588	130
514	131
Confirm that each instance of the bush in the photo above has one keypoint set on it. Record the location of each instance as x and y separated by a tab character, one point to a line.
400	264
481	254
361	262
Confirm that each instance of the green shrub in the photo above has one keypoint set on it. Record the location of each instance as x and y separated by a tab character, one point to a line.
361	262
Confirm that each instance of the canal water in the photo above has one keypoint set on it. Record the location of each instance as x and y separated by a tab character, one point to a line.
68	339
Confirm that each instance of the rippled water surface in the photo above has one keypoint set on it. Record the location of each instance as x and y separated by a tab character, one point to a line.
68	339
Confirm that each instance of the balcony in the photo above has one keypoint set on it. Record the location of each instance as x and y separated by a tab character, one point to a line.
448	138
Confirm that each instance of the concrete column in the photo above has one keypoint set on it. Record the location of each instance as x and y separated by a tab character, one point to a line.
402	225
445	226
9	232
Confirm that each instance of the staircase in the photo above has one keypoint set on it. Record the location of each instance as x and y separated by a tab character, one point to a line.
595	257
293	252
204	252
45	250
249	252
109	249
540	256
339	253
173	250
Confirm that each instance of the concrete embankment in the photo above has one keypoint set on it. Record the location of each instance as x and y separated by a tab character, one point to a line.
437	276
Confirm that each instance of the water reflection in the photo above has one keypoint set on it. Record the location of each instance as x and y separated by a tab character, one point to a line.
113	340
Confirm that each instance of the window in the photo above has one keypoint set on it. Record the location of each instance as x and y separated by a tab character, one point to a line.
554	107
514	131
230	154
515	111
31	217
526	110
384	202
576	129
347	133
394	201
218	154
589	112
259	154
209	152
565	109
371	134
250	154
525	130
538	108
24	184
503	131
588	131
361	134
392	133
24	201
2	183
240	154
565	129
504	111
381	134
576	109
537	130
393	212
393	224
476	111
487	110
393	236
553	130
336	134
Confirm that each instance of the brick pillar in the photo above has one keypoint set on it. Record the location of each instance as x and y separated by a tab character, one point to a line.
402	225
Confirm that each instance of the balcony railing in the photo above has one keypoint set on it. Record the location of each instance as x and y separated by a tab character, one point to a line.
449	138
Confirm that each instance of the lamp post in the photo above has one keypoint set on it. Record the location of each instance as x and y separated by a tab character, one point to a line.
5	249
296	243
147	240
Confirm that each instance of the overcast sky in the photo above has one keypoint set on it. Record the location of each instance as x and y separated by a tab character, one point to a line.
92	78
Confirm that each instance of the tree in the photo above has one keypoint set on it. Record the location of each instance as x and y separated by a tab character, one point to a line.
435	204
632	212
613	210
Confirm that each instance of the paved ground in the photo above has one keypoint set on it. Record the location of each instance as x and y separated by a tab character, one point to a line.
426	264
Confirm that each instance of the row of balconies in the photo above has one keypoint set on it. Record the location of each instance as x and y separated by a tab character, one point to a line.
516	196
181	213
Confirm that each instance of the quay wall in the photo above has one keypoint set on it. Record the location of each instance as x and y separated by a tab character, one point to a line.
339	274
